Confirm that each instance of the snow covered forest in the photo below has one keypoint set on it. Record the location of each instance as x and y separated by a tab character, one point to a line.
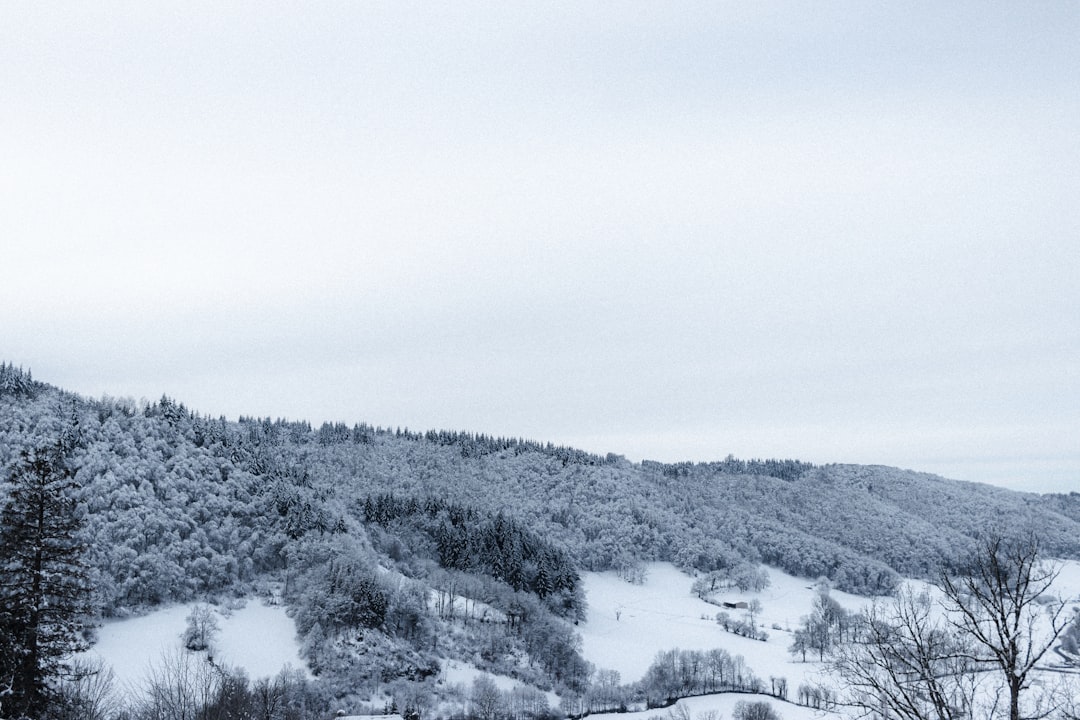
394	550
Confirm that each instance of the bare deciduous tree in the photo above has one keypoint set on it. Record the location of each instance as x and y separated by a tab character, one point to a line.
88	689
906	664
967	657
995	598
179	686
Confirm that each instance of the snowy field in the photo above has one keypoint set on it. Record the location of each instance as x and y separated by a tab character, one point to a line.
259	638
455	672
700	708
628	624
1067	586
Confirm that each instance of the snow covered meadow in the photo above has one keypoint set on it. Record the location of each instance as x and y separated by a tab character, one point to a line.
627	624
259	638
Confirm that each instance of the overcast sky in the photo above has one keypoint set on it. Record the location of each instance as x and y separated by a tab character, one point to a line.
836	231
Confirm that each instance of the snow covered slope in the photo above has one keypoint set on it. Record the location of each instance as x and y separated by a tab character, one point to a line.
628	624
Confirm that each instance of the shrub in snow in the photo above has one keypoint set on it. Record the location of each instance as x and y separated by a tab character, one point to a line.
759	710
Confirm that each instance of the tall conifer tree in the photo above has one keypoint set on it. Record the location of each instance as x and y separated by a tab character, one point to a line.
44	593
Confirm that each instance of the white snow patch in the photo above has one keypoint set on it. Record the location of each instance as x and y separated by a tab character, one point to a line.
1067	584
259	638
724	705
628	624
462	606
455	672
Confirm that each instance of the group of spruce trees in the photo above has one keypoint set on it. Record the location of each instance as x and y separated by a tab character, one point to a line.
497	545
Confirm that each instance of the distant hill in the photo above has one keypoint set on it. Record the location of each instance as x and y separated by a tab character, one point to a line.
180	506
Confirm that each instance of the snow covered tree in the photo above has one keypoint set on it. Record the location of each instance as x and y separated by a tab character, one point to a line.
826	626
44	593
753	610
485	700
748	577
759	710
202	629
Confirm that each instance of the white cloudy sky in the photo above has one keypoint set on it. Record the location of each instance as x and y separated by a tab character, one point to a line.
838	231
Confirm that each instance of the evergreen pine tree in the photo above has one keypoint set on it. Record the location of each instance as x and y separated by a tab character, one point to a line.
44	593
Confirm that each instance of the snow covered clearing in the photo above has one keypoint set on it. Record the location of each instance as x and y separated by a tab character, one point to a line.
455	672
259	638
628	624
701	707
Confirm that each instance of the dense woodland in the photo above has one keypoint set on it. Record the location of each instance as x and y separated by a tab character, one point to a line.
394	548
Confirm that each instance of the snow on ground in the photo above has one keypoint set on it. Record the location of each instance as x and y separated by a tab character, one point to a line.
1067	584
455	672
625	627
628	624
259	638
463	606
723	705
